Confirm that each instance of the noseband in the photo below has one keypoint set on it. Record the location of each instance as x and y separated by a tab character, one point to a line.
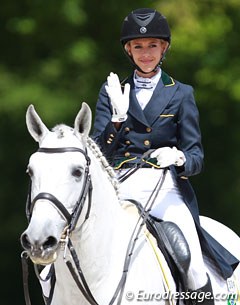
86	190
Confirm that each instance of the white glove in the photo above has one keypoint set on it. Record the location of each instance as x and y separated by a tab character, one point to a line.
119	99
168	156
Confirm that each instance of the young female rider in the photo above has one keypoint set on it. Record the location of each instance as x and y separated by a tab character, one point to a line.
151	110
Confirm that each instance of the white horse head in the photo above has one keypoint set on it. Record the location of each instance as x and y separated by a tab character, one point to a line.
73	204
59	171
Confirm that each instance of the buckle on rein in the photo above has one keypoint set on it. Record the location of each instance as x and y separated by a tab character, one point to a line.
64	240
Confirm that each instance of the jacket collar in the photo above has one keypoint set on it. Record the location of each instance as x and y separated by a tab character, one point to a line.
162	95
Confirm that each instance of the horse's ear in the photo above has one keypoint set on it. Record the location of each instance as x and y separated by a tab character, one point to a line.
83	121
36	127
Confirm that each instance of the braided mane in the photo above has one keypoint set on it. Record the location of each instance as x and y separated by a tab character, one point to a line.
92	145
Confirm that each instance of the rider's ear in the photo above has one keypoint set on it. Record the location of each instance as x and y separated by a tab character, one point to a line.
83	121
128	48
36	127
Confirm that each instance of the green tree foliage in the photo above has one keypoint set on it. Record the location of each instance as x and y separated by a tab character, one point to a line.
56	54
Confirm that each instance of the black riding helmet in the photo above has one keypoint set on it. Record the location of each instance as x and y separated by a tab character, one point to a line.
144	23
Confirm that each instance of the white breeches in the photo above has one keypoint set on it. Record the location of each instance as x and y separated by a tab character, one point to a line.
168	206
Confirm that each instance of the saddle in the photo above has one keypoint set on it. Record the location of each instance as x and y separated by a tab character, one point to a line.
172	244
174	247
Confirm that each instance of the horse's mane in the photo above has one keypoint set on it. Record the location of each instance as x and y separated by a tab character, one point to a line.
92	145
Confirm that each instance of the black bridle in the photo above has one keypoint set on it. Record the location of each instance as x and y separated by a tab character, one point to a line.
71	219
86	190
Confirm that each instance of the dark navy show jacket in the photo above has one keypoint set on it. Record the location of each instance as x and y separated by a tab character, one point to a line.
170	119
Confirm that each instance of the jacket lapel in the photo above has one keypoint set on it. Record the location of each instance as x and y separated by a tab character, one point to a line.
162	95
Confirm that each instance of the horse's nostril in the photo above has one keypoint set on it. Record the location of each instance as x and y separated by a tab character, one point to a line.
25	242
50	242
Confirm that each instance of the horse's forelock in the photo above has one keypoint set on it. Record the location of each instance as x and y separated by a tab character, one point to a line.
62	130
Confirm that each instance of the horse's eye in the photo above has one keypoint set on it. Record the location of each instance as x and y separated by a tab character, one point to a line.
29	171
77	172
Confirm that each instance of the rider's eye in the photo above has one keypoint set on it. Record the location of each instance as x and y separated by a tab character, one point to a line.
77	172
29	171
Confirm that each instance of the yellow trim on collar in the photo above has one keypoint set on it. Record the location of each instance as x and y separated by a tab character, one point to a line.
172	84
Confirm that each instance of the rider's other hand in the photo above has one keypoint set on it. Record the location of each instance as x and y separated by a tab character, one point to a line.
119	99
167	156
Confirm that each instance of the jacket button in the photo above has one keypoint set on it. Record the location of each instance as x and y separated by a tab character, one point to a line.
146	143
127	142
127	154
148	129
127	129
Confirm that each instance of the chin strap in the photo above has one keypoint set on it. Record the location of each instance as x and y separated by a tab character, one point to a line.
154	70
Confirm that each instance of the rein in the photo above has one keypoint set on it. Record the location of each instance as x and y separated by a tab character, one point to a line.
144	214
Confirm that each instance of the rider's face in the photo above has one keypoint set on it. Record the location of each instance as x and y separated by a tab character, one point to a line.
146	53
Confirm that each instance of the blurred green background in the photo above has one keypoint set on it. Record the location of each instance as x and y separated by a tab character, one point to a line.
56	54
